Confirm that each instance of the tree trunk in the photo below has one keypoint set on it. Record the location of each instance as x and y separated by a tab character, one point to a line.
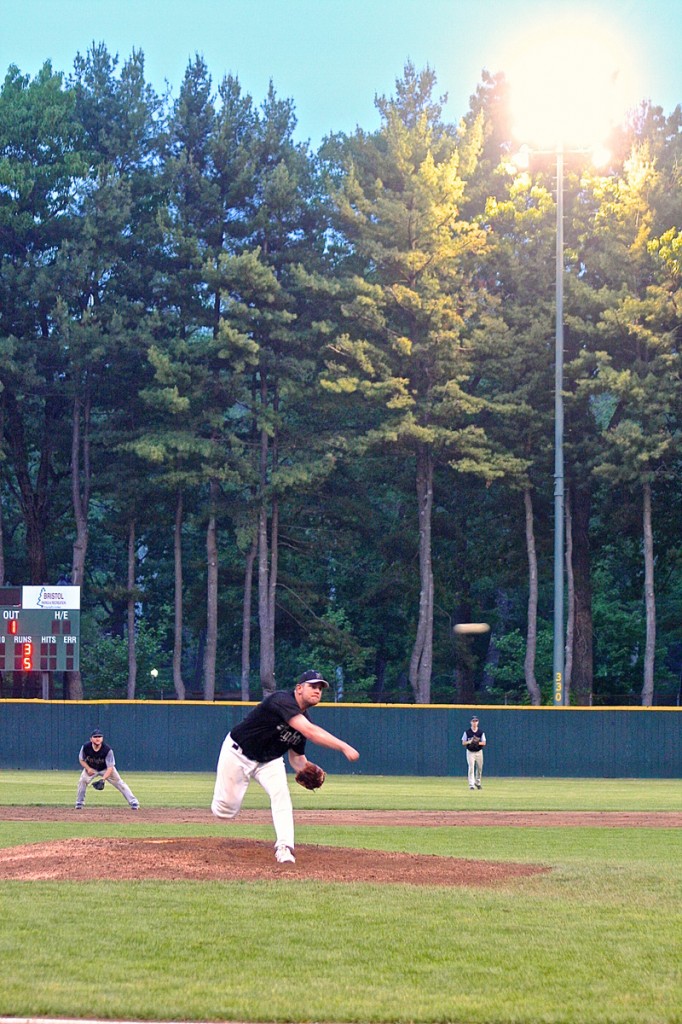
649	599
33	498
532	625
211	598
465	680
2	544
422	653
2	534
582	671
211	648
177	616
267	554
265	623
380	678
80	496
570	600
132	657
272	583
246	618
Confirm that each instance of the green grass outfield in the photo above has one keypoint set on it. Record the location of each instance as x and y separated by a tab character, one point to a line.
598	939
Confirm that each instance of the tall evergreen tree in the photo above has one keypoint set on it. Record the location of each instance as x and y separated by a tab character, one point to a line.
623	314
105	302
409	316
207	177
640	374
518	364
42	162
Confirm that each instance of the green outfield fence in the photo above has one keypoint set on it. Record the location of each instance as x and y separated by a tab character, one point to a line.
393	739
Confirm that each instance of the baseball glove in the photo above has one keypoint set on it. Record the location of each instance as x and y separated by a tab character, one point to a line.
311	776
98	784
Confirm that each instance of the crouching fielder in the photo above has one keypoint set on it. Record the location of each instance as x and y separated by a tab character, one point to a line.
255	749
99	766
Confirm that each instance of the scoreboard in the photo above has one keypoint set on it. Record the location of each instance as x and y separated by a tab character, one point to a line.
40	629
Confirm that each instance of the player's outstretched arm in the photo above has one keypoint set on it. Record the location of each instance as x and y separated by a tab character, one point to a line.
316	734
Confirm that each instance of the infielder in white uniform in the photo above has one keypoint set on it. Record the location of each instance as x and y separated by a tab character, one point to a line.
474	741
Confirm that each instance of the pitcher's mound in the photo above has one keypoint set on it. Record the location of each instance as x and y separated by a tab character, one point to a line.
228	860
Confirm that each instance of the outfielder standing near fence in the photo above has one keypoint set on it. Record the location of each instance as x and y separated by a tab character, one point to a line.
99	766
474	741
255	749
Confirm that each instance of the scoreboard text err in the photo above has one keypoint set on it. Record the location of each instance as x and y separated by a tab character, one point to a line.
39	629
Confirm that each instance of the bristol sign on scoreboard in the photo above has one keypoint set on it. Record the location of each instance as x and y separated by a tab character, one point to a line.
40	629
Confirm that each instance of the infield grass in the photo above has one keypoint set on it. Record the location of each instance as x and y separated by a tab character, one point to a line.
595	941
364	792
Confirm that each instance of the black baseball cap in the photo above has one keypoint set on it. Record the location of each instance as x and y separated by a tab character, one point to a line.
96	732
311	676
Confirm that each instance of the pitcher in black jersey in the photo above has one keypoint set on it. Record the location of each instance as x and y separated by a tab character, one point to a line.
255	749
98	762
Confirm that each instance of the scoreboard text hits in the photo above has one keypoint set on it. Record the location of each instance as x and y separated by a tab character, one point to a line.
39	629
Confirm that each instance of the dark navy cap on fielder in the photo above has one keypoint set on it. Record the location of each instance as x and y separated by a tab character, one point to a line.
96	732
311	676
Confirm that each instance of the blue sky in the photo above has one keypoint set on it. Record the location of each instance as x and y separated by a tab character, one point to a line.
333	56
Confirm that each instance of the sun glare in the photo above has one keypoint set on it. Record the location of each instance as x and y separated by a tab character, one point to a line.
570	83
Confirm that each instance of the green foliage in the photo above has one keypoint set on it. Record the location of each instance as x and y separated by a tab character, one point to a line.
227	326
620	639
342	661
508	674
104	662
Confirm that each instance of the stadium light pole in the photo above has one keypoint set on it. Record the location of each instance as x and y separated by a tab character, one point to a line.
558	687
568	88
559	638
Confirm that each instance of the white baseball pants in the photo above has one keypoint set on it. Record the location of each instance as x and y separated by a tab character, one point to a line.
116	781
233	775
475	765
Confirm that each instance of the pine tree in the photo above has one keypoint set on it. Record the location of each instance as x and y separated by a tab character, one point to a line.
410	310
42	162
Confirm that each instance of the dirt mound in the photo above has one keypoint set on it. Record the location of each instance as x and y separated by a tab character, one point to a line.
230	859
226	858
